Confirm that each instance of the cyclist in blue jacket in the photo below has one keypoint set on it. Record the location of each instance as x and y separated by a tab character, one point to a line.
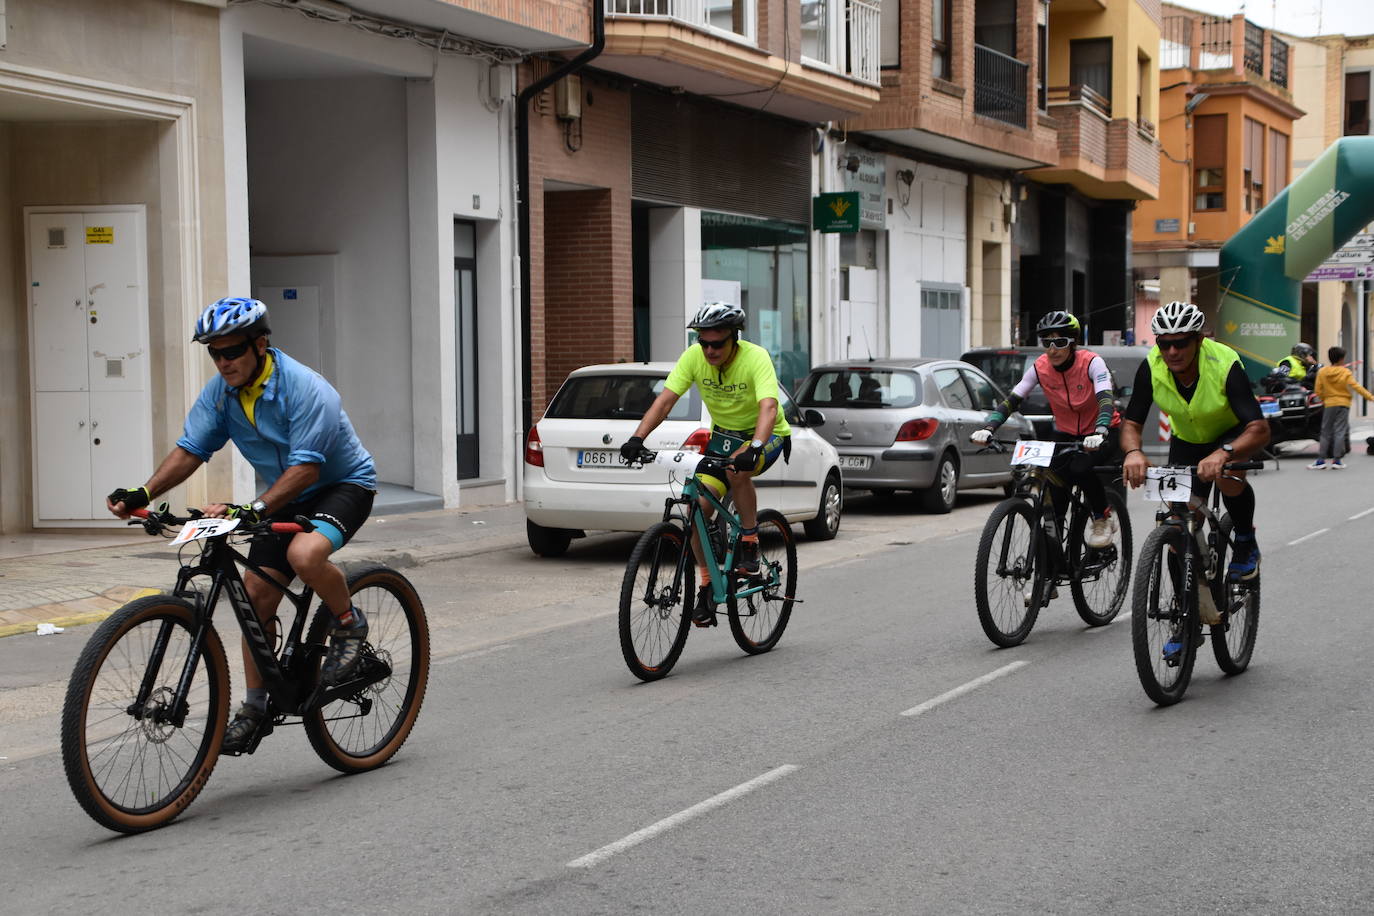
290	425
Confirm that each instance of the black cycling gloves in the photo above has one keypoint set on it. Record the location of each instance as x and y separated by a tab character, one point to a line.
136	498
245	513
748	459
631	449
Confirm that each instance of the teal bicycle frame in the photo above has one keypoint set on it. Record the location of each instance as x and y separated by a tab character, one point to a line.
720	582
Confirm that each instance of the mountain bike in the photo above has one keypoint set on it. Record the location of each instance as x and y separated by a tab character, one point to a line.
1182	568
659	589
1027	551
148	701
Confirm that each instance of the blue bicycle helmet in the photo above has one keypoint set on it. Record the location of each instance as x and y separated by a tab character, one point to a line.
231	315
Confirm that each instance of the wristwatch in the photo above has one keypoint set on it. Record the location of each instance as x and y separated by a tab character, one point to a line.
756	443
1228	448
259	507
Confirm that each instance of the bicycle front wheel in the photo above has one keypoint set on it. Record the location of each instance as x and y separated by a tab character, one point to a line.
135	765
1233	640
1101	575
757	620
1009	575
1160	617
654	603
361	732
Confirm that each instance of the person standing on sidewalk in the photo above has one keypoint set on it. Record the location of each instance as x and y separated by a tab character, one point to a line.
1334	384
290	425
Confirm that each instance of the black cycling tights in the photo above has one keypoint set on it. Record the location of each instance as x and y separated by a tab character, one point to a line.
1241	506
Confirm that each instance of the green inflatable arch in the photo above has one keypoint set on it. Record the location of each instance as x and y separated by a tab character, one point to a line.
1264	264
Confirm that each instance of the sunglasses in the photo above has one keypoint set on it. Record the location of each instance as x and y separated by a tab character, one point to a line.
714	344
228	354
1055	343
1174	343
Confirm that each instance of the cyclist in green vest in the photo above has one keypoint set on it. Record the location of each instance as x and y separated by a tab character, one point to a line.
1202	386
1300	364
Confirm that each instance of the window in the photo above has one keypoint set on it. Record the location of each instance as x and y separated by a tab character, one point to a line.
819	28
985	397
1042	63
861	388
1143	95
1254	166
1357	104
941	14
890	23
1278	162
952	389
1090	66
1209	162
994	25
616	397
735	16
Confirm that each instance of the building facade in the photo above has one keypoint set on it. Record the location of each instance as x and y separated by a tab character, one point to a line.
1226	127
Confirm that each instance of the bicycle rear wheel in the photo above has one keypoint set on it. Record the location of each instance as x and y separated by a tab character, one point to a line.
1233	640
1101	576
1008	579
131	766
757	620
361	732
1159	611
653	605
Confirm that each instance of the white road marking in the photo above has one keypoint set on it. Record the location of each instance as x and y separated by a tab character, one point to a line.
965	688
473	654
1308	537
682	817
851	561
1107	626
1360	514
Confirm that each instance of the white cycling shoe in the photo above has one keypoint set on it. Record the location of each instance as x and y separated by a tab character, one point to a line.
1100	532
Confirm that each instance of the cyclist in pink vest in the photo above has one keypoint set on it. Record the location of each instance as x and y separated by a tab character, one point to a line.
1079	388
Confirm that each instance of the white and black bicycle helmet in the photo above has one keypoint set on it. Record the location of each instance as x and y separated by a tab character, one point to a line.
1303	350
718	315
231	315
1177	318
1060	321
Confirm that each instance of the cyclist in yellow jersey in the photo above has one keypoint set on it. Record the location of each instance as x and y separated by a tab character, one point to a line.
740	390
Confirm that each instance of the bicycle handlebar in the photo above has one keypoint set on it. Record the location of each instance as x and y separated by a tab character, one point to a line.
165	517
711	462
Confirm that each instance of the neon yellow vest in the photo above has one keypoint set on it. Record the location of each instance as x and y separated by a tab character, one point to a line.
1209	413
1297	370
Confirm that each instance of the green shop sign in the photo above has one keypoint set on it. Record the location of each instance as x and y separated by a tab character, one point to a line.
835	212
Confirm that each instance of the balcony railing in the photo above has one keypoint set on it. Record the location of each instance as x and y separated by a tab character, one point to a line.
1216	44
1278	62
865	37
999	86
1254	48
1176	43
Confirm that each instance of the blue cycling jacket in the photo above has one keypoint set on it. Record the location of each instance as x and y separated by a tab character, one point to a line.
300	420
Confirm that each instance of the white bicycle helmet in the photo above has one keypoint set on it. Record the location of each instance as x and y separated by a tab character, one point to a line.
1177	318
718	315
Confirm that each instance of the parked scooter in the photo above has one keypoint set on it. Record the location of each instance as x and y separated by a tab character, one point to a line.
1292	410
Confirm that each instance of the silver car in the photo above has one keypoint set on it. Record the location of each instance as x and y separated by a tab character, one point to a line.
904	424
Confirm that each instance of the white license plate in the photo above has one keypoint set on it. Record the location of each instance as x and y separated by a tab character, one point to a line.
855	462
1270	408
599	458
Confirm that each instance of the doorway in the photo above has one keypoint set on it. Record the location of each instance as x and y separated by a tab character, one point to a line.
465	349
91	389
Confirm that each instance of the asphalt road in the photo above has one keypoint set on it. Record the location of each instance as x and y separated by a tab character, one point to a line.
543	778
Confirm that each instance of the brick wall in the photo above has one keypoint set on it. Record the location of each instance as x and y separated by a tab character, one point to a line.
568	18
580	270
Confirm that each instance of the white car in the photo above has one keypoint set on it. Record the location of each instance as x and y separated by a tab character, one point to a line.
575	480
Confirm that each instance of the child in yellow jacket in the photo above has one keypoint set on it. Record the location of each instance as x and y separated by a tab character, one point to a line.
1334	384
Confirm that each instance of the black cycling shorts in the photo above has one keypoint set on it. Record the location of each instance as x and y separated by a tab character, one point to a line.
339	511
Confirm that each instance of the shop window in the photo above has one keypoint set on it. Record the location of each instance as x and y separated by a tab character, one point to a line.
762	265
1209	162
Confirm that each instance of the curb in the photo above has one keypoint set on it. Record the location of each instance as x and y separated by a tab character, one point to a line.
74	620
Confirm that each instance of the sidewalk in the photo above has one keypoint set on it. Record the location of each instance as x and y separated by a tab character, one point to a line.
63	585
